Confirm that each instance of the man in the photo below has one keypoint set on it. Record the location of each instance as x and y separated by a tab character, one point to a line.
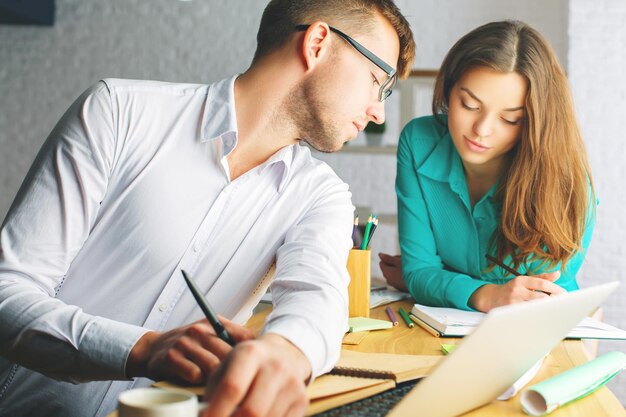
141	179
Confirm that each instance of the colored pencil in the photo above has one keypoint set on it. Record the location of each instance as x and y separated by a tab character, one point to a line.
392	316
354	228
405	317
368	226
424	326
374	226
503	266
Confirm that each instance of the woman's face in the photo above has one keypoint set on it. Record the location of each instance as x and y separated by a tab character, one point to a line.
485	116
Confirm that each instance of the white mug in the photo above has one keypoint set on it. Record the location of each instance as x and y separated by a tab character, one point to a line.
156	402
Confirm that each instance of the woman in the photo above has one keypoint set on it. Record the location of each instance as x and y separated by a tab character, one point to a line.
500	170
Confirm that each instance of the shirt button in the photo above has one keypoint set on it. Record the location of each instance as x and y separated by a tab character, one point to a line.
162	307
194	247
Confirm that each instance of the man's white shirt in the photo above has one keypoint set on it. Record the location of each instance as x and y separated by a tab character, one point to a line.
131	187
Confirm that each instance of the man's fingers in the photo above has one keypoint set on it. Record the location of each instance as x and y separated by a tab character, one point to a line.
298	408
262	377
203	354
291	397
227	388
205	337
177	364
263	394
237	332
189	353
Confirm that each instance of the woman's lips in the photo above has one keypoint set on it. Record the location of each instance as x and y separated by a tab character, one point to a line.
475	146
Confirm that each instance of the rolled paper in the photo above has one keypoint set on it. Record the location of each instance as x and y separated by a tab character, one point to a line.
546	396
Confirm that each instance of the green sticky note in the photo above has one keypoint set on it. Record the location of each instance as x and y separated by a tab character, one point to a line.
447	348
361	324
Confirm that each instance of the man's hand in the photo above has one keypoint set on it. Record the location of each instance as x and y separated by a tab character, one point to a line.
189	353
521	288
391	266
262	377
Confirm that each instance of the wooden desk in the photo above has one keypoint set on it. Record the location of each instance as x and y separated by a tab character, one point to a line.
569	353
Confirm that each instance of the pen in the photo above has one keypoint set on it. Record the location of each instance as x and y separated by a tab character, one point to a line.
405	317
208	311
392	316
502	265
508	269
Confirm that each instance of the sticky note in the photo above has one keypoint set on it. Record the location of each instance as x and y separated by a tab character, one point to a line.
361	324
447	348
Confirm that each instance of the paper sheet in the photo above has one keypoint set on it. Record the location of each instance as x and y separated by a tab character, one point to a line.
548	395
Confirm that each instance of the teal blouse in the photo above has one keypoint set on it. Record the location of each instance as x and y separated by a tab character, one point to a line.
443	241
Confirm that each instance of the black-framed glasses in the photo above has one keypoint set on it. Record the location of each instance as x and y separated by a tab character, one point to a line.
387	87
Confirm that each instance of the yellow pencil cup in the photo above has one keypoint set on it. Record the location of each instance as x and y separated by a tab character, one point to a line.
359	268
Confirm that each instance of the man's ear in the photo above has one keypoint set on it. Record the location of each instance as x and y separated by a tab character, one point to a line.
316	44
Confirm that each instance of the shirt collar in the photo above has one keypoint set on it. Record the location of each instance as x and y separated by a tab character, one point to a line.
220	121
284	157
444	164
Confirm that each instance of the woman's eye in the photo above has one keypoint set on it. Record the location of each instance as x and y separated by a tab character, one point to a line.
374	80
467	106
512	122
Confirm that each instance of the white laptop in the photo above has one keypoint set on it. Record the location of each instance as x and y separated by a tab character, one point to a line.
508	342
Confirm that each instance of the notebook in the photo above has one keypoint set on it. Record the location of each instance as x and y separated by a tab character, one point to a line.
356	375
507	342
452	322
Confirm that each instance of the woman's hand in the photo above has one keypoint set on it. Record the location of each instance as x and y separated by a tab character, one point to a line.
391	266
521	288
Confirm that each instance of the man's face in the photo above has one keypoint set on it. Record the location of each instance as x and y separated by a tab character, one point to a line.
338	100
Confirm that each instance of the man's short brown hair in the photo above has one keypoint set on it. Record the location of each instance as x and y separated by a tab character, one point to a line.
354	17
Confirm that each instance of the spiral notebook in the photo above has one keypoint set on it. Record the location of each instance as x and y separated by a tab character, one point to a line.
357	375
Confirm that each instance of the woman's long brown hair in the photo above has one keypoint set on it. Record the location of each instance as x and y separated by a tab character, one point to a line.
546	192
